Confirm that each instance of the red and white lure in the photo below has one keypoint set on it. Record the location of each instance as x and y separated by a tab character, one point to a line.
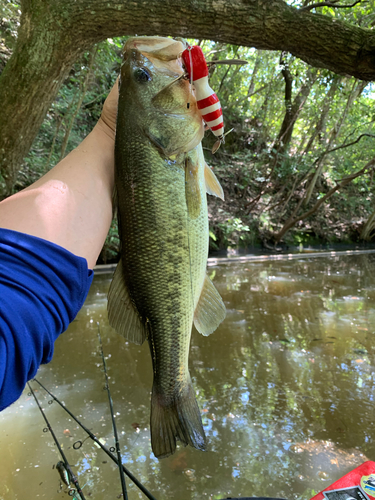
208	103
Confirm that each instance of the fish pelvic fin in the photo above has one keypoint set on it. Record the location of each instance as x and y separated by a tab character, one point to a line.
210	310
212	184
175	419
122	314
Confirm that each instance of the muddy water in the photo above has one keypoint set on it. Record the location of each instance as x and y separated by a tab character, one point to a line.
286	387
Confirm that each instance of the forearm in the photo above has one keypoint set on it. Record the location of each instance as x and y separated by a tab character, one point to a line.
42	287
72	204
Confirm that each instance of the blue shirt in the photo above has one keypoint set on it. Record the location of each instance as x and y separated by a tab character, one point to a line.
42	288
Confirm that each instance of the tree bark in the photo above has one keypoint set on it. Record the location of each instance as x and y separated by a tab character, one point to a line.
77	106
53	34
293	109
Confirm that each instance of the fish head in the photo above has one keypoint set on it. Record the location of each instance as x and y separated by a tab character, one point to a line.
158	97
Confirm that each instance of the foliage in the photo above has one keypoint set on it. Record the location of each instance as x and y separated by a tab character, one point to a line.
48	147
9	21
266	185
270	181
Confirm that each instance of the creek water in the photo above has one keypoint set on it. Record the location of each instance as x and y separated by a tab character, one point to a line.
286	388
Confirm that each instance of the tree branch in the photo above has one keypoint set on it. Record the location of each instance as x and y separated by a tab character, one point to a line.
349	144
329	4
52	35
292	221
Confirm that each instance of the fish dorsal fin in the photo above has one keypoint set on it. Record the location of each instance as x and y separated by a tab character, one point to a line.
192	191
122	314
210	310
212	184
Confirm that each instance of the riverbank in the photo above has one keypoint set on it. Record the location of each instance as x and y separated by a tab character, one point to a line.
218	259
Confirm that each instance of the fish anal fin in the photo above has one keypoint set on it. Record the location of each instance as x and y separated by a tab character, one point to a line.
175	419
212	184
192	191
122	314
210	310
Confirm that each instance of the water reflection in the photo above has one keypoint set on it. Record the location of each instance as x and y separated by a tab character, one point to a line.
286	388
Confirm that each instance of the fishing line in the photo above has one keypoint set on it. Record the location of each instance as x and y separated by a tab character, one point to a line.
122	476
98	442
71	474
191	75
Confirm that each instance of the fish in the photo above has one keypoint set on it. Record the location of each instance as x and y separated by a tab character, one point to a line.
160	287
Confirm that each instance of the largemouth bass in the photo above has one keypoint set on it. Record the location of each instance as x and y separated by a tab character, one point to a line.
160	285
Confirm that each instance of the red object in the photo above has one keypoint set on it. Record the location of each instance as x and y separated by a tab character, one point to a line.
208	101
199	62
217	127
358	481
209	117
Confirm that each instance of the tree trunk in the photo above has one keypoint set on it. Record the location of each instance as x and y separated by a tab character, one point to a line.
258	59
30	81
53	34
77	106
368	228
326	106
294	108
357	89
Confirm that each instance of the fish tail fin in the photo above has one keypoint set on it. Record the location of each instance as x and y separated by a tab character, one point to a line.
175	419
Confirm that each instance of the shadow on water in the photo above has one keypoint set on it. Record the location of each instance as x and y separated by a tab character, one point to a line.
285	385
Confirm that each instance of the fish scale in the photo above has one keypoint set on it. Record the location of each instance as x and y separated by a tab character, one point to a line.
159	289
160	179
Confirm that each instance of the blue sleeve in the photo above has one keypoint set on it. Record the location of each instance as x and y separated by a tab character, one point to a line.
42	288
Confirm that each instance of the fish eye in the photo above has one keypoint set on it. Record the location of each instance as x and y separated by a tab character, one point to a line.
142	75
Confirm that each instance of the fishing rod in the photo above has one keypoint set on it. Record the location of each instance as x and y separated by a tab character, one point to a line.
71	476
99	443
118	452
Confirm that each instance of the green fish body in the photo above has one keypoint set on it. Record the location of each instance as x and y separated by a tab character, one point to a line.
160	286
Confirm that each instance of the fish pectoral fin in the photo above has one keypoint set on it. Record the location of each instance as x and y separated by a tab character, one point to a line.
212	184
158	142
210	310
122	314
192	191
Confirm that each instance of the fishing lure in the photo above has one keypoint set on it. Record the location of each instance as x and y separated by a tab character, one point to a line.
208	103
63	471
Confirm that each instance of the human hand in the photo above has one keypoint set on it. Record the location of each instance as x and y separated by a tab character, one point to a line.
107	120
